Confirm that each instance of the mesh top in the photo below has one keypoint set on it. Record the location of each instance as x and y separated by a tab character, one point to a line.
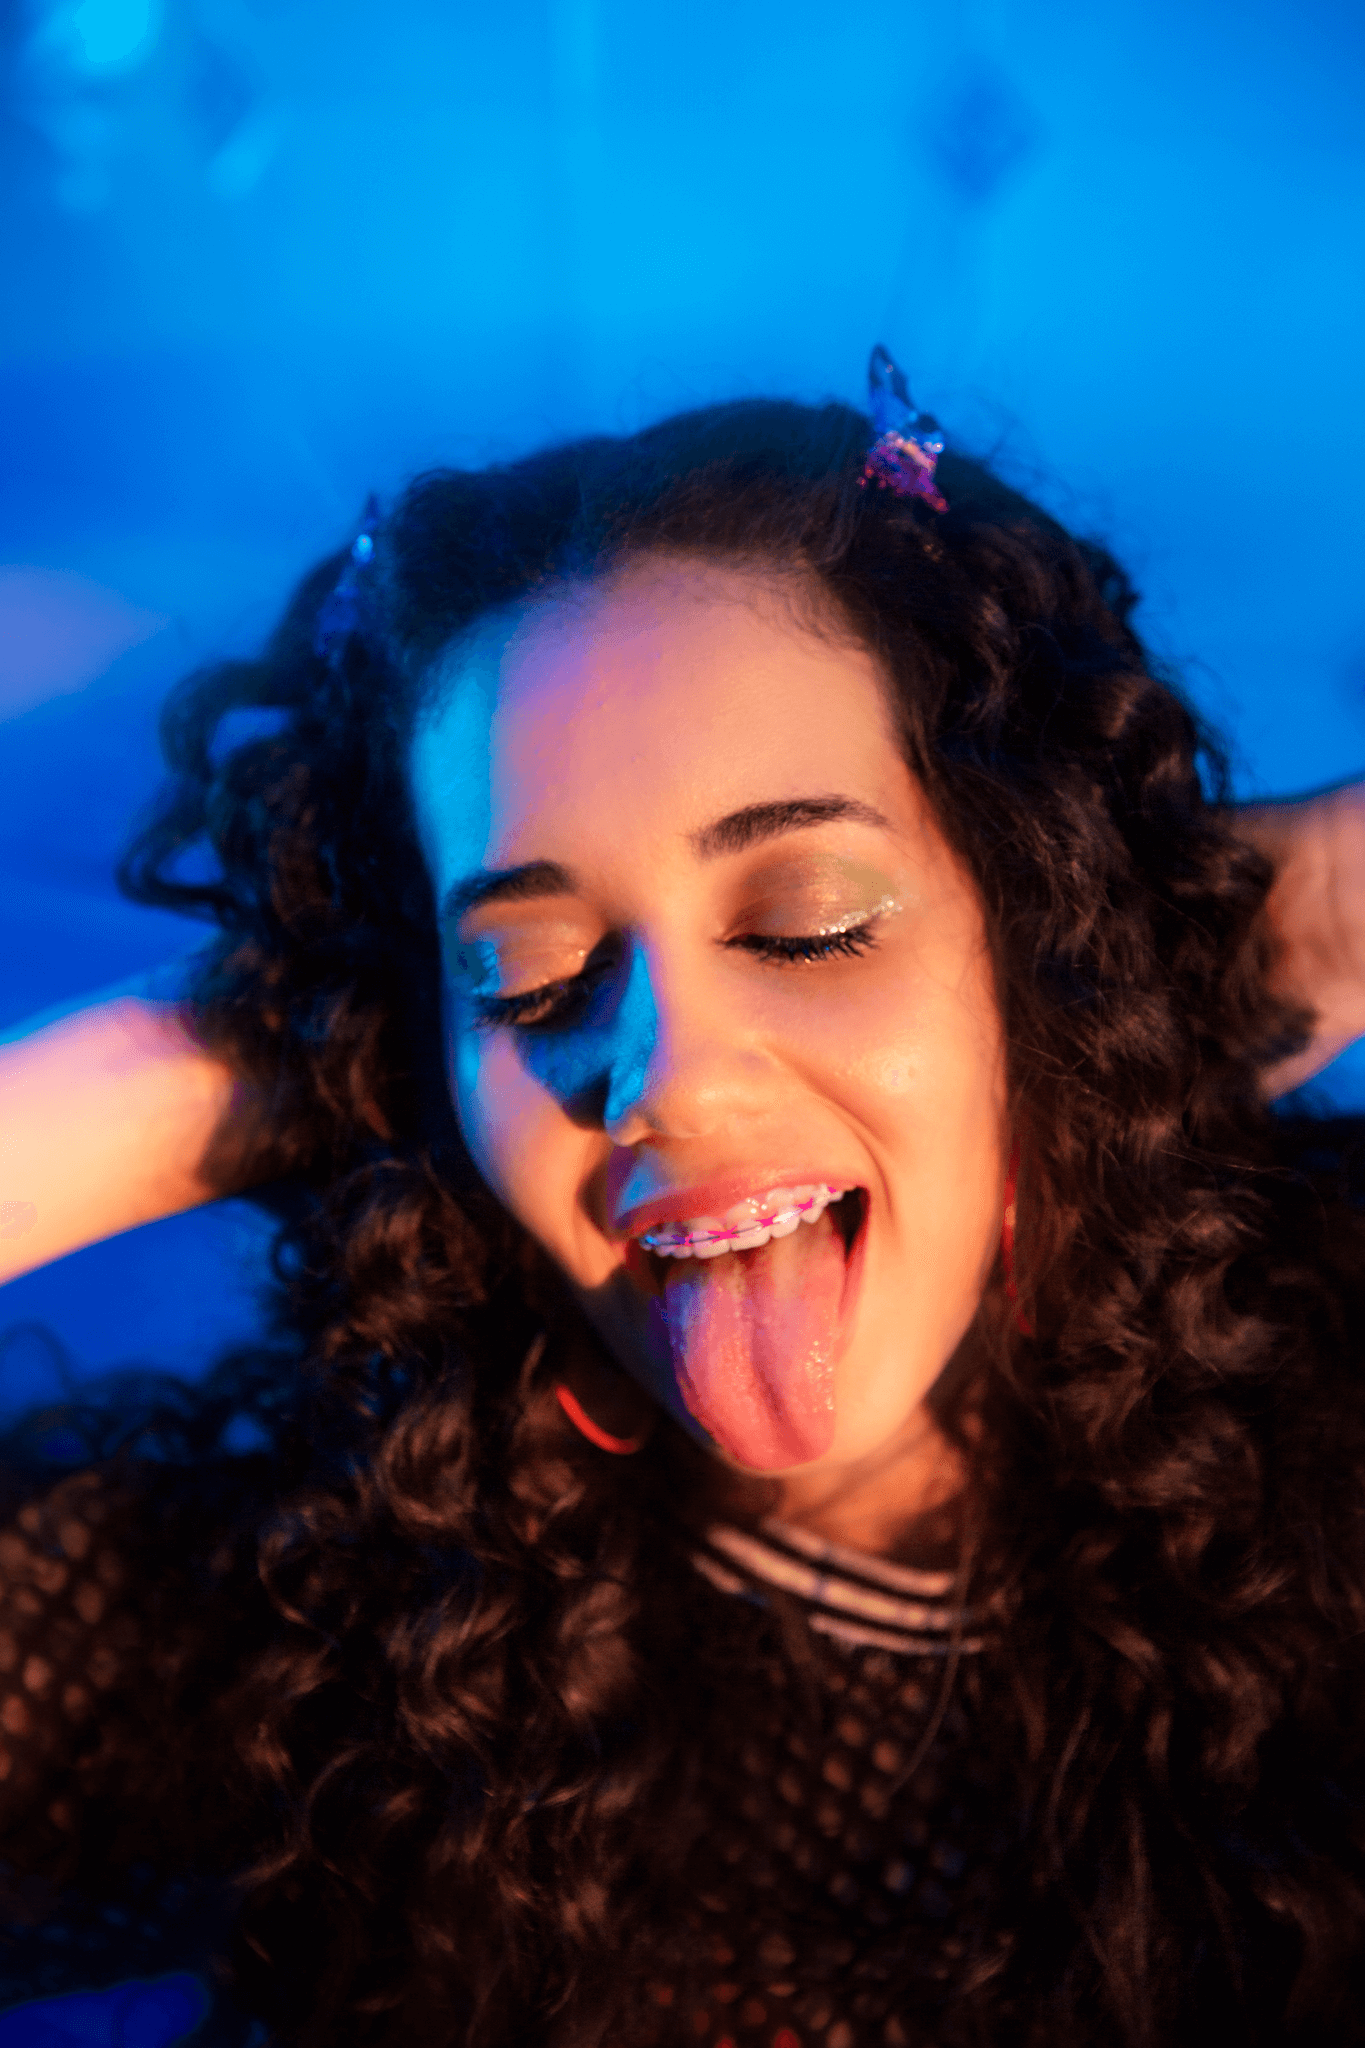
844	1594
67	1627
854	1844
837	1889
80	1661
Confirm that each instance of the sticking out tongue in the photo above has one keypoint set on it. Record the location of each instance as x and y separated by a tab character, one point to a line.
753	1337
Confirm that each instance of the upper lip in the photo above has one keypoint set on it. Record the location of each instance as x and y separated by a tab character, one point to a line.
711	1197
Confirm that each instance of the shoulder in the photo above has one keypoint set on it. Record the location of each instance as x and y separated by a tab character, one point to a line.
127	1601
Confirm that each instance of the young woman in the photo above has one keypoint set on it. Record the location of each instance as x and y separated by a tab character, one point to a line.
806	1483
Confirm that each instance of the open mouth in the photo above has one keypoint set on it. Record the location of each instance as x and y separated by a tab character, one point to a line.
758	1308
651	1257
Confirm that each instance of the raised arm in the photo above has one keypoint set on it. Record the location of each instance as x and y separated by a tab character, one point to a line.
106	1116
1317	908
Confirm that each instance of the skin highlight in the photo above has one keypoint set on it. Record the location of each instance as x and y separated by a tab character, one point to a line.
643	751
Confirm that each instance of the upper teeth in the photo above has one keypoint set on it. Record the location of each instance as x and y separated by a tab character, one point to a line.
744	1227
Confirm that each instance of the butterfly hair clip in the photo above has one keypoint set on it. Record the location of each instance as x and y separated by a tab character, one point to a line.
904	456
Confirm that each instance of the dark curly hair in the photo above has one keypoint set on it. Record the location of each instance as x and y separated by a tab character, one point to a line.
468	1719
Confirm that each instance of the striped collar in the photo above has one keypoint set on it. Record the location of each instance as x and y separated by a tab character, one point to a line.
854	1598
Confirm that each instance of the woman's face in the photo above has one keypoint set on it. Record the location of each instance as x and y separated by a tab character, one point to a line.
722	1026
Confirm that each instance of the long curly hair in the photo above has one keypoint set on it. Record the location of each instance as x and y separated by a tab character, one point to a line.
468	1724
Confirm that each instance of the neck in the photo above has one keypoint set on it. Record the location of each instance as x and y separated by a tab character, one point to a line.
896	1500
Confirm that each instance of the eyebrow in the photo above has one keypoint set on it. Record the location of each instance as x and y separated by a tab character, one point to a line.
757	822
508	885
730	834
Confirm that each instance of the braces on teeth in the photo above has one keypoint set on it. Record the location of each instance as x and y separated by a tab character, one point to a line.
775	1214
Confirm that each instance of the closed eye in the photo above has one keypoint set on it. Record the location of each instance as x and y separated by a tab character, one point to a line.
819	946
555	1004
559	1004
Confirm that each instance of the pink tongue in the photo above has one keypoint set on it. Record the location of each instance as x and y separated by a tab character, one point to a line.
753	1338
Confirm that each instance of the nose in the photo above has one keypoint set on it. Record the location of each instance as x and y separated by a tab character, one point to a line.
676	1071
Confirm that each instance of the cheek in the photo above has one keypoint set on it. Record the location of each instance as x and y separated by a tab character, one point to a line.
504	1116
526	1148
931	1094
926	1078
920	1055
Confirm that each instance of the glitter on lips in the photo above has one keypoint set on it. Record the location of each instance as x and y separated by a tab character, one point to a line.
745	1226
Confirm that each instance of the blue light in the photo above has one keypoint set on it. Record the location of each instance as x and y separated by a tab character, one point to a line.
114	34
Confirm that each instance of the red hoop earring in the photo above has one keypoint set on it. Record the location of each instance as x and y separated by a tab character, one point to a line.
1007	1241
619	1446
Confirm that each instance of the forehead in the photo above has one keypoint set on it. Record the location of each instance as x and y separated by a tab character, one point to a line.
637	710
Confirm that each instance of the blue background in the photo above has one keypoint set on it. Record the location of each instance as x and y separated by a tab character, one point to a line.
260	256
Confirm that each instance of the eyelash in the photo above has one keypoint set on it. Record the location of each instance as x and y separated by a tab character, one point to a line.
542	1008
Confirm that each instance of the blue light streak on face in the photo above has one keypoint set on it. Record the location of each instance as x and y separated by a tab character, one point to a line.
600	1064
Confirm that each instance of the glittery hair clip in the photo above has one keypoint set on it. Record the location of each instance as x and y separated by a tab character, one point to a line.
905	454
339	611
